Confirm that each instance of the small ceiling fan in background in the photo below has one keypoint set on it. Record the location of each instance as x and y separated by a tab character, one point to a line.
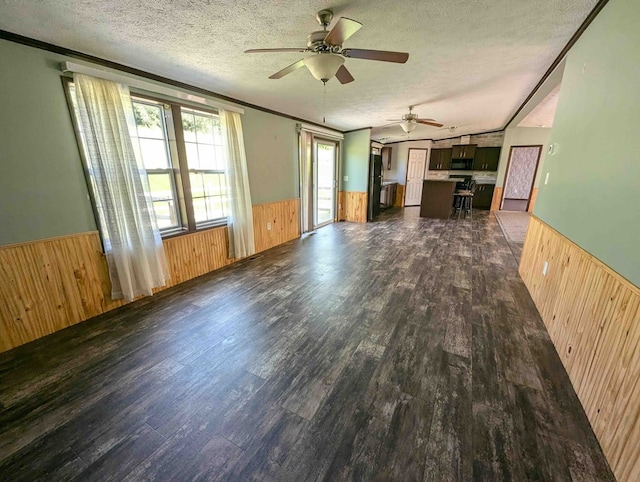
453	129
329	55
410	121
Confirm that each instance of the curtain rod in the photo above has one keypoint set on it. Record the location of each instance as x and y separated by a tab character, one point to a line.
320	130
146	85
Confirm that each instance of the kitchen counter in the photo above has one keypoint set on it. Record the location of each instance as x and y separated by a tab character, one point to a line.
480	177
437	198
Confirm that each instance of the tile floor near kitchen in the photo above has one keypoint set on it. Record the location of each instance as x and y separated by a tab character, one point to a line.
514	226
405	349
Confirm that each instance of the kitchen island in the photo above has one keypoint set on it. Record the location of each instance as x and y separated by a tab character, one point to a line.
437	198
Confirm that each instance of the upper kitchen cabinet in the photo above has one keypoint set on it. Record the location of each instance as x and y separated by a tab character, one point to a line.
486	159
385	152
440	160
466	151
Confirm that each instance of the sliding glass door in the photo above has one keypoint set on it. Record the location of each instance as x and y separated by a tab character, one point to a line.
325	182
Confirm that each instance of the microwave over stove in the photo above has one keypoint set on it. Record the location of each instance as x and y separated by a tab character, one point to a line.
461	164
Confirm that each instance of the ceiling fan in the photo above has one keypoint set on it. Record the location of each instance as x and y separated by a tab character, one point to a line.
328	58
410	121
453	128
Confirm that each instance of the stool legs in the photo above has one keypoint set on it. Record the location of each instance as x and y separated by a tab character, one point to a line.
463	203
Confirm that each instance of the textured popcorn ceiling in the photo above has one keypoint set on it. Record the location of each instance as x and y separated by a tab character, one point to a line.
543	114
472	62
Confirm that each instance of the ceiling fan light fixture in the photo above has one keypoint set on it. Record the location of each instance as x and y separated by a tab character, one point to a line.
324	66
408	126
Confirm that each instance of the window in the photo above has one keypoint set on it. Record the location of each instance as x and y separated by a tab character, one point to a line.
151	135
206	163
182	151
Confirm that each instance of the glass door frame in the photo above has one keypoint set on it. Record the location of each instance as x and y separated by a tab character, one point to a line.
336	176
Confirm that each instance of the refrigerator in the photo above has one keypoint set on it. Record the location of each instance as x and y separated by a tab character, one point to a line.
375	185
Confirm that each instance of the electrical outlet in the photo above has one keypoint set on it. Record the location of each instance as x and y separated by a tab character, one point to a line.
268	226
546	179
545	268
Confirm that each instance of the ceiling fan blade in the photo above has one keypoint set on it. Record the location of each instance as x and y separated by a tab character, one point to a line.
343	75
288	70
342	30
429	123
394	120
382	55
262	51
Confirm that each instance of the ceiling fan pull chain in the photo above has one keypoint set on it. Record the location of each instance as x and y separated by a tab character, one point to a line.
324	103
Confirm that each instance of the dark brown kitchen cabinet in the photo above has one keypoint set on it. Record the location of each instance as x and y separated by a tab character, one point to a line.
486	159
466	151
483	196
440	160
385	152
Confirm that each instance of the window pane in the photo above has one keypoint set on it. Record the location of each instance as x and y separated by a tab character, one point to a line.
215	208
203	141
188	126
213	184
165	214
220	160
199	210
160	185
204	129
154	153
217	134
192	155
149	120
207	156
197	188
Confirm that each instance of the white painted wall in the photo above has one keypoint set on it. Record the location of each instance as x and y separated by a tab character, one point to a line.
523	136
399	157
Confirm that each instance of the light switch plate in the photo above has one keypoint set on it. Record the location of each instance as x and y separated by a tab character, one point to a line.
346	178
545	268
546	179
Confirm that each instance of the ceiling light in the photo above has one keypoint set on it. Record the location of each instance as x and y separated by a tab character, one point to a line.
408	126
324	66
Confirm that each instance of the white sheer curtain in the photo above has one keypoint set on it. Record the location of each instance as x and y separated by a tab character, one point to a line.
306	181
240	218
132	242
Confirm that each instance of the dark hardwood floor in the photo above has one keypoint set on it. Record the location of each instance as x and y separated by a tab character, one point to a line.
405	349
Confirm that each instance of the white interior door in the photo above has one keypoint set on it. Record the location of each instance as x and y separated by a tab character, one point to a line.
415	174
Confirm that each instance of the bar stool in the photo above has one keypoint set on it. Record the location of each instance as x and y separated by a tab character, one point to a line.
463	200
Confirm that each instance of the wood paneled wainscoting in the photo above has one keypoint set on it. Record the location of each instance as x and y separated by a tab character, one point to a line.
399	200
532	201
352	206
276	223
50	284
593	317
496	200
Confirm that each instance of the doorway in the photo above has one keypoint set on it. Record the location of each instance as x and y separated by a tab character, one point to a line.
520	176
416	165
325	181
